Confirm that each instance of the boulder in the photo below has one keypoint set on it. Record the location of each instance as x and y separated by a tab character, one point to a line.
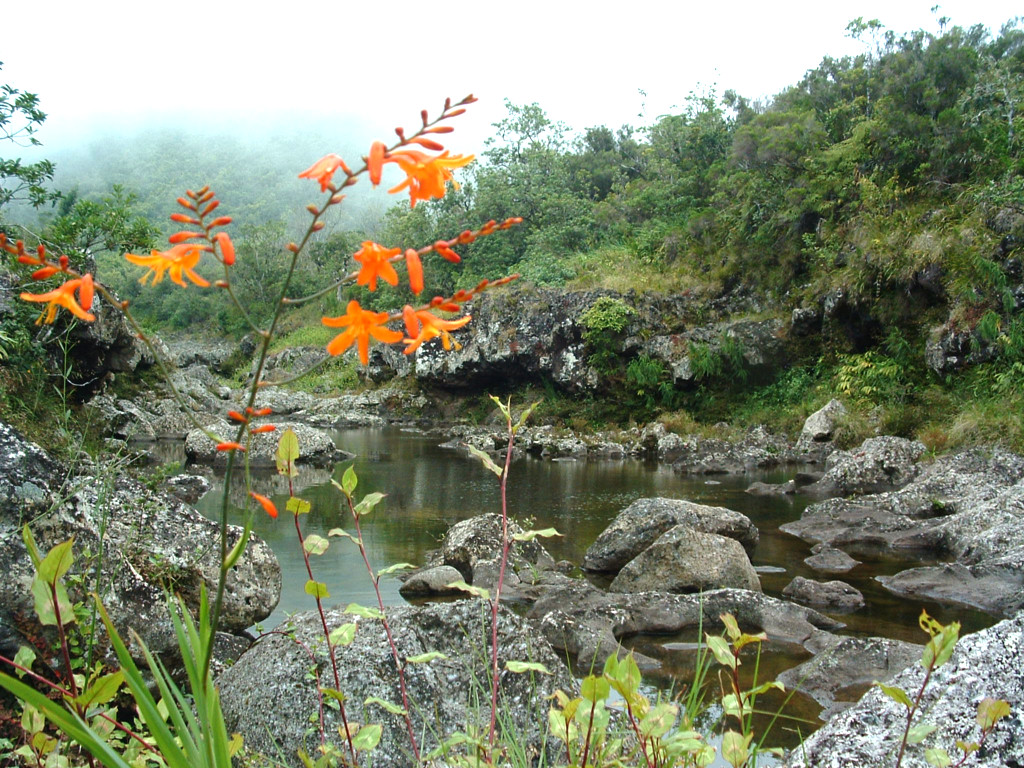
683	560
830	560
826	595
637	526
984	664
315	446
142	542
473	548
879	464
270	697
841	671
820	426
588	623
431	582
756	449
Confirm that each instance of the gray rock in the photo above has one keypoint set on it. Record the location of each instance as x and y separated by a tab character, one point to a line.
637	526
473	548
820	426
315	446
683	560
826	595
840	672
830	560
269	696
756	449
431	582
588	623
879	464
772	489
984	664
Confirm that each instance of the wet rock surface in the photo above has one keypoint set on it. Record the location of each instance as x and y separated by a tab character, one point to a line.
879	464
835	596
445	694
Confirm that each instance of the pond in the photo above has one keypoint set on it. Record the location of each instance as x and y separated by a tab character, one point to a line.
430	488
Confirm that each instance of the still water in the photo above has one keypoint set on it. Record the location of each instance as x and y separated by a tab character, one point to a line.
430	488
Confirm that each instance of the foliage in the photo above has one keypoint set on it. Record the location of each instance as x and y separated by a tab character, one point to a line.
604	324
20	118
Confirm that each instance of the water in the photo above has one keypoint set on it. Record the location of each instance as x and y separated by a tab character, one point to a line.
430	488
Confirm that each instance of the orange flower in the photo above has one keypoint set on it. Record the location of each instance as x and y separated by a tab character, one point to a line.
425	175
415	268
176	261
422	326
64	296
361	325
323	170
267	504
375	261
375	161
227	248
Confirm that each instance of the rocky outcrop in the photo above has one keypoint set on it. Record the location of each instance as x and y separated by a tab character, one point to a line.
756	449
142	542
683	561
968	507
315	446
879	464
819	428
269	696
984	664
641	523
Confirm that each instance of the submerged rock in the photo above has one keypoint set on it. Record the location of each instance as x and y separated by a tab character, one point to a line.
826	595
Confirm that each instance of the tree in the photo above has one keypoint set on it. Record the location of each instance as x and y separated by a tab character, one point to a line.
20	117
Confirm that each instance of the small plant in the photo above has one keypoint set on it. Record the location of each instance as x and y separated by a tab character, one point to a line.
603	325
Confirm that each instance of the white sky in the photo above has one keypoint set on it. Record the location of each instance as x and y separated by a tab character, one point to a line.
114	62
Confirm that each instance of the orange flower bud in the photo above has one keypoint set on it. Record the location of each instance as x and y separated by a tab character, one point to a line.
45	272
263	428
318	225
227	248
292	247
456	113
206	211
220	221
184	218
191	194
221	283
185	203
236	416
261	411
440	129
313	209
64	262
204	190
415	267
335	199
267	504
375	161
180	237
230	447
205	197
423	116
428	143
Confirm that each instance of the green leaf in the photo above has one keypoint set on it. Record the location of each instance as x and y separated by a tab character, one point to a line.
343	533
287	453
938	650
25	656
659	720
315	545
475	591
317	589
343	635
731	627
57	562
594	688
486	460
735	747
367	738
349	480
722	650
524	416
937	756
297	506
44	603
334	693
991	711
531	535
394	709
368	502
425	658
102	690
920	732
30	545
896	694
519	667
396	568
361	610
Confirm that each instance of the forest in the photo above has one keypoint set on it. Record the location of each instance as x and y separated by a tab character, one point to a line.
893	179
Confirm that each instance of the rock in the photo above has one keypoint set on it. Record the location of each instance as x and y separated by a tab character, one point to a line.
102	348
637	526
820	426
841	671
968	507
772	489
432	582
315	446
588	624
149	542
683	560
830	560
950	349
655	440
984	664
805	321
188	488
826	595
879	464
269	697
757	449
473	547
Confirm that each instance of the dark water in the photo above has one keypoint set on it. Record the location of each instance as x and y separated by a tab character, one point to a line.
430	488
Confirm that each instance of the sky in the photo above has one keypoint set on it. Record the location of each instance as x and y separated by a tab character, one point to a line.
116	64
